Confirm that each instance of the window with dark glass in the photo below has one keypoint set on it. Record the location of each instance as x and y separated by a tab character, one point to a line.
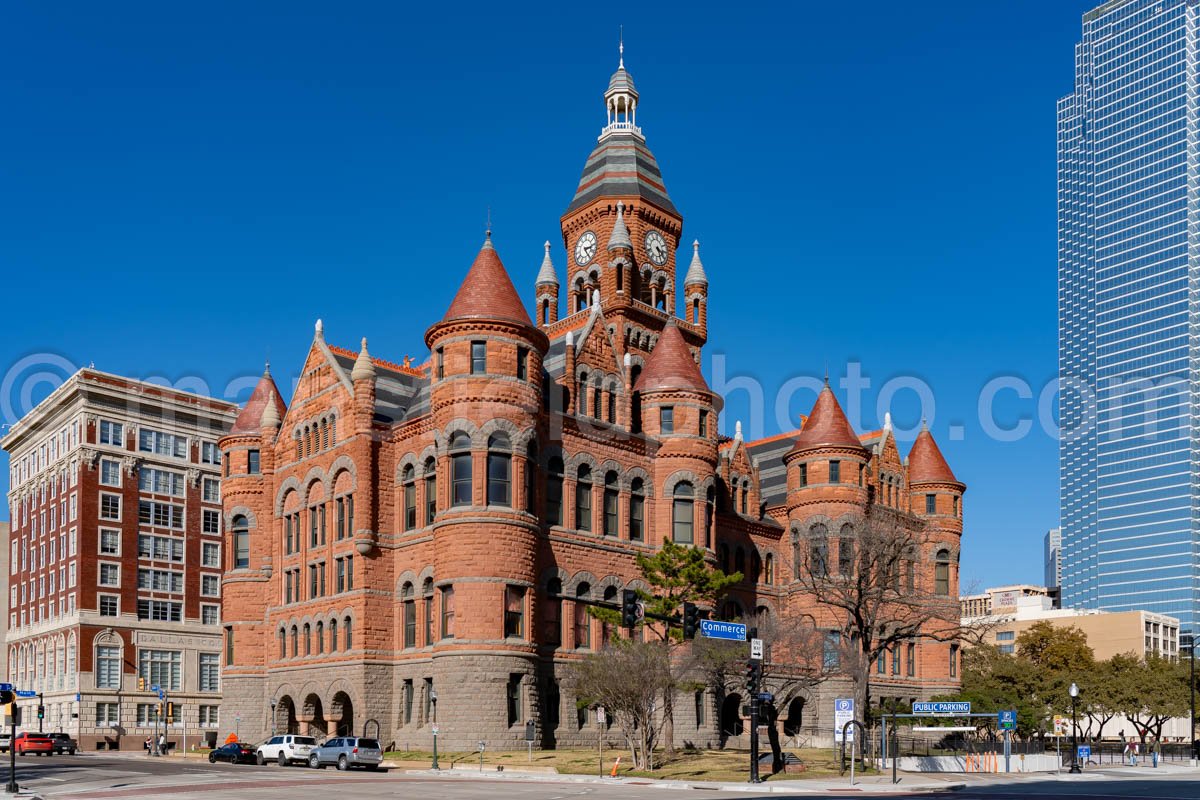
513	698
610	504
683	513
499	471
531	460
522	363
931	504
460	470
252	462
410	615
911	661
941	573
703	424
666	419
241	542
447	612
818	551
552	613
514	611
430	491
846	551
583	498
835	472
478	358
612	403
427	602
804	474
583	394
637	510
953	661
554	492
441	363
583	635
409	488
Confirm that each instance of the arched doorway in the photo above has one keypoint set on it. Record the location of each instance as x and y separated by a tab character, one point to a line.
794	718
314	713
341	712
285	716
731	716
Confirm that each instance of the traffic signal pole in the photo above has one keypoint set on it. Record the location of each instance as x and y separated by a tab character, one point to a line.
754	685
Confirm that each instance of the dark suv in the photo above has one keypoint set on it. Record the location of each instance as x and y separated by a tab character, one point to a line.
63	743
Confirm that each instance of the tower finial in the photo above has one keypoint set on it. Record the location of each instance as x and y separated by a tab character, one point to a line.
488	232
621	47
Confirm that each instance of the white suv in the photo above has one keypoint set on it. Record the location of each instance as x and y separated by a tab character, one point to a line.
286	749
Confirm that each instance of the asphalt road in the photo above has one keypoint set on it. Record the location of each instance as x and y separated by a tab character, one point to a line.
97	777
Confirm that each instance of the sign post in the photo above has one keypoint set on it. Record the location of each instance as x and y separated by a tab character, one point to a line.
601	718
1008	723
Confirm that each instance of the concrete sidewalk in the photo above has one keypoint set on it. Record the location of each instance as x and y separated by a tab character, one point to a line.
874	784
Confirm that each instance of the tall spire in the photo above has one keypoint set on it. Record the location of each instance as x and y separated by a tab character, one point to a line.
696	273
547	274
620	234
621	99
621	47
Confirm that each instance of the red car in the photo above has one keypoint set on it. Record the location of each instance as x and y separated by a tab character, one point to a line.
33	743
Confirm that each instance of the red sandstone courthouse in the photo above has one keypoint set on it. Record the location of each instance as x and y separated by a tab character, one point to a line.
400	533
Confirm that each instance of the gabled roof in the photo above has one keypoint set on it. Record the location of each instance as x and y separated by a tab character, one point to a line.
670	365
926	463
487	292
826	426
249	420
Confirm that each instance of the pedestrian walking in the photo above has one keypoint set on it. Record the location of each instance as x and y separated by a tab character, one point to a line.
1153	750
146	745
162	744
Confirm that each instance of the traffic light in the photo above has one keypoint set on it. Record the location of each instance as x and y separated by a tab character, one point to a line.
141	684
7	697
691	620
753	676
629	609
170	713
41	711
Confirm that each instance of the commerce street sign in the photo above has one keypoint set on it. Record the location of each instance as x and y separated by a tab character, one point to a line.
733	631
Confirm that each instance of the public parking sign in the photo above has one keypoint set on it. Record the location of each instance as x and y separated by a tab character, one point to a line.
733	631
1007	720
1084	752
941	708
843	712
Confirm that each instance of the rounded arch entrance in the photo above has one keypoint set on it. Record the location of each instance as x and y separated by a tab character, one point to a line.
314	716
285	716
795	717
341	714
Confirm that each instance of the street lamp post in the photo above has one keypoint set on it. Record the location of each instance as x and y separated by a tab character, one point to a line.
1192	686
433	699
273	703
1074	692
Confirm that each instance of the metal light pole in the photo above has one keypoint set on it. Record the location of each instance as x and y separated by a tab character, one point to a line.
273	702
1192	722
1075	770
433	699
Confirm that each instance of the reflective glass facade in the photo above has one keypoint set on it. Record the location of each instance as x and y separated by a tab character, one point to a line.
1128	312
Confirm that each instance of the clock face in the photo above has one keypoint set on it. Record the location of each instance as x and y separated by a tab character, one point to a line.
656	248
585	249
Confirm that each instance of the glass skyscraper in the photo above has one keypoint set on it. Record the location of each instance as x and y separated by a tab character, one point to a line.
1129	316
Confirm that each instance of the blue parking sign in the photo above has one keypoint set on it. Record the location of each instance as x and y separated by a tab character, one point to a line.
1007	720
1084	752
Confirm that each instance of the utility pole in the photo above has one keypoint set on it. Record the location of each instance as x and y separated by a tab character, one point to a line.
754	686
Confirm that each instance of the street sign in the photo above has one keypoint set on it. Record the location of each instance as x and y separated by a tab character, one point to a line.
161	694
77	697
732	631
941	708
639	610
6	687
26	693
1085	752
1061	725
843	712
756	649
1008	720
600	716
435	729
155	688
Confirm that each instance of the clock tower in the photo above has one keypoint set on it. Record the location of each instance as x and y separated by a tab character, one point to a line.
622	232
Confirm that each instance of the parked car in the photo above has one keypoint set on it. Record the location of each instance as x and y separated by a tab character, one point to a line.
347	752
234	753
286	749
29	742
63	743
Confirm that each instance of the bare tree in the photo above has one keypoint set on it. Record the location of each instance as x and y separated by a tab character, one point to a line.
628	678
873	593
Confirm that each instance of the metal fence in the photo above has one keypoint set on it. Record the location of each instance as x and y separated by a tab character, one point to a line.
1102	753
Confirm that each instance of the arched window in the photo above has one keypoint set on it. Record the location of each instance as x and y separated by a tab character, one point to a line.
241	542
846	551
307	639
295	641
545	312
554	492
499	470
739	561
818	551
430	490
612	402
755	566
583	633
910	571
299	447
610	503
324	434
333	639
320	637
769	569
606	628
597	401
583	394
683	513
637	510
460	469
710	502
347	633
408	486
745	495
941	573
427	602
635	401
583	498
282	643
409	611
333	430
723	558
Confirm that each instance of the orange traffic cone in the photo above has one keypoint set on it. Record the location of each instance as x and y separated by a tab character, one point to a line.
616	764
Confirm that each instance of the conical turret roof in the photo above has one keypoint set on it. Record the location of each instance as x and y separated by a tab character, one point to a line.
249	421
670	365
826	426
926	464
547	275
620	232
487	292
696	273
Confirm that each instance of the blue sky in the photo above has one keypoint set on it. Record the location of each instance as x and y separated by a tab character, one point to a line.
185	188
